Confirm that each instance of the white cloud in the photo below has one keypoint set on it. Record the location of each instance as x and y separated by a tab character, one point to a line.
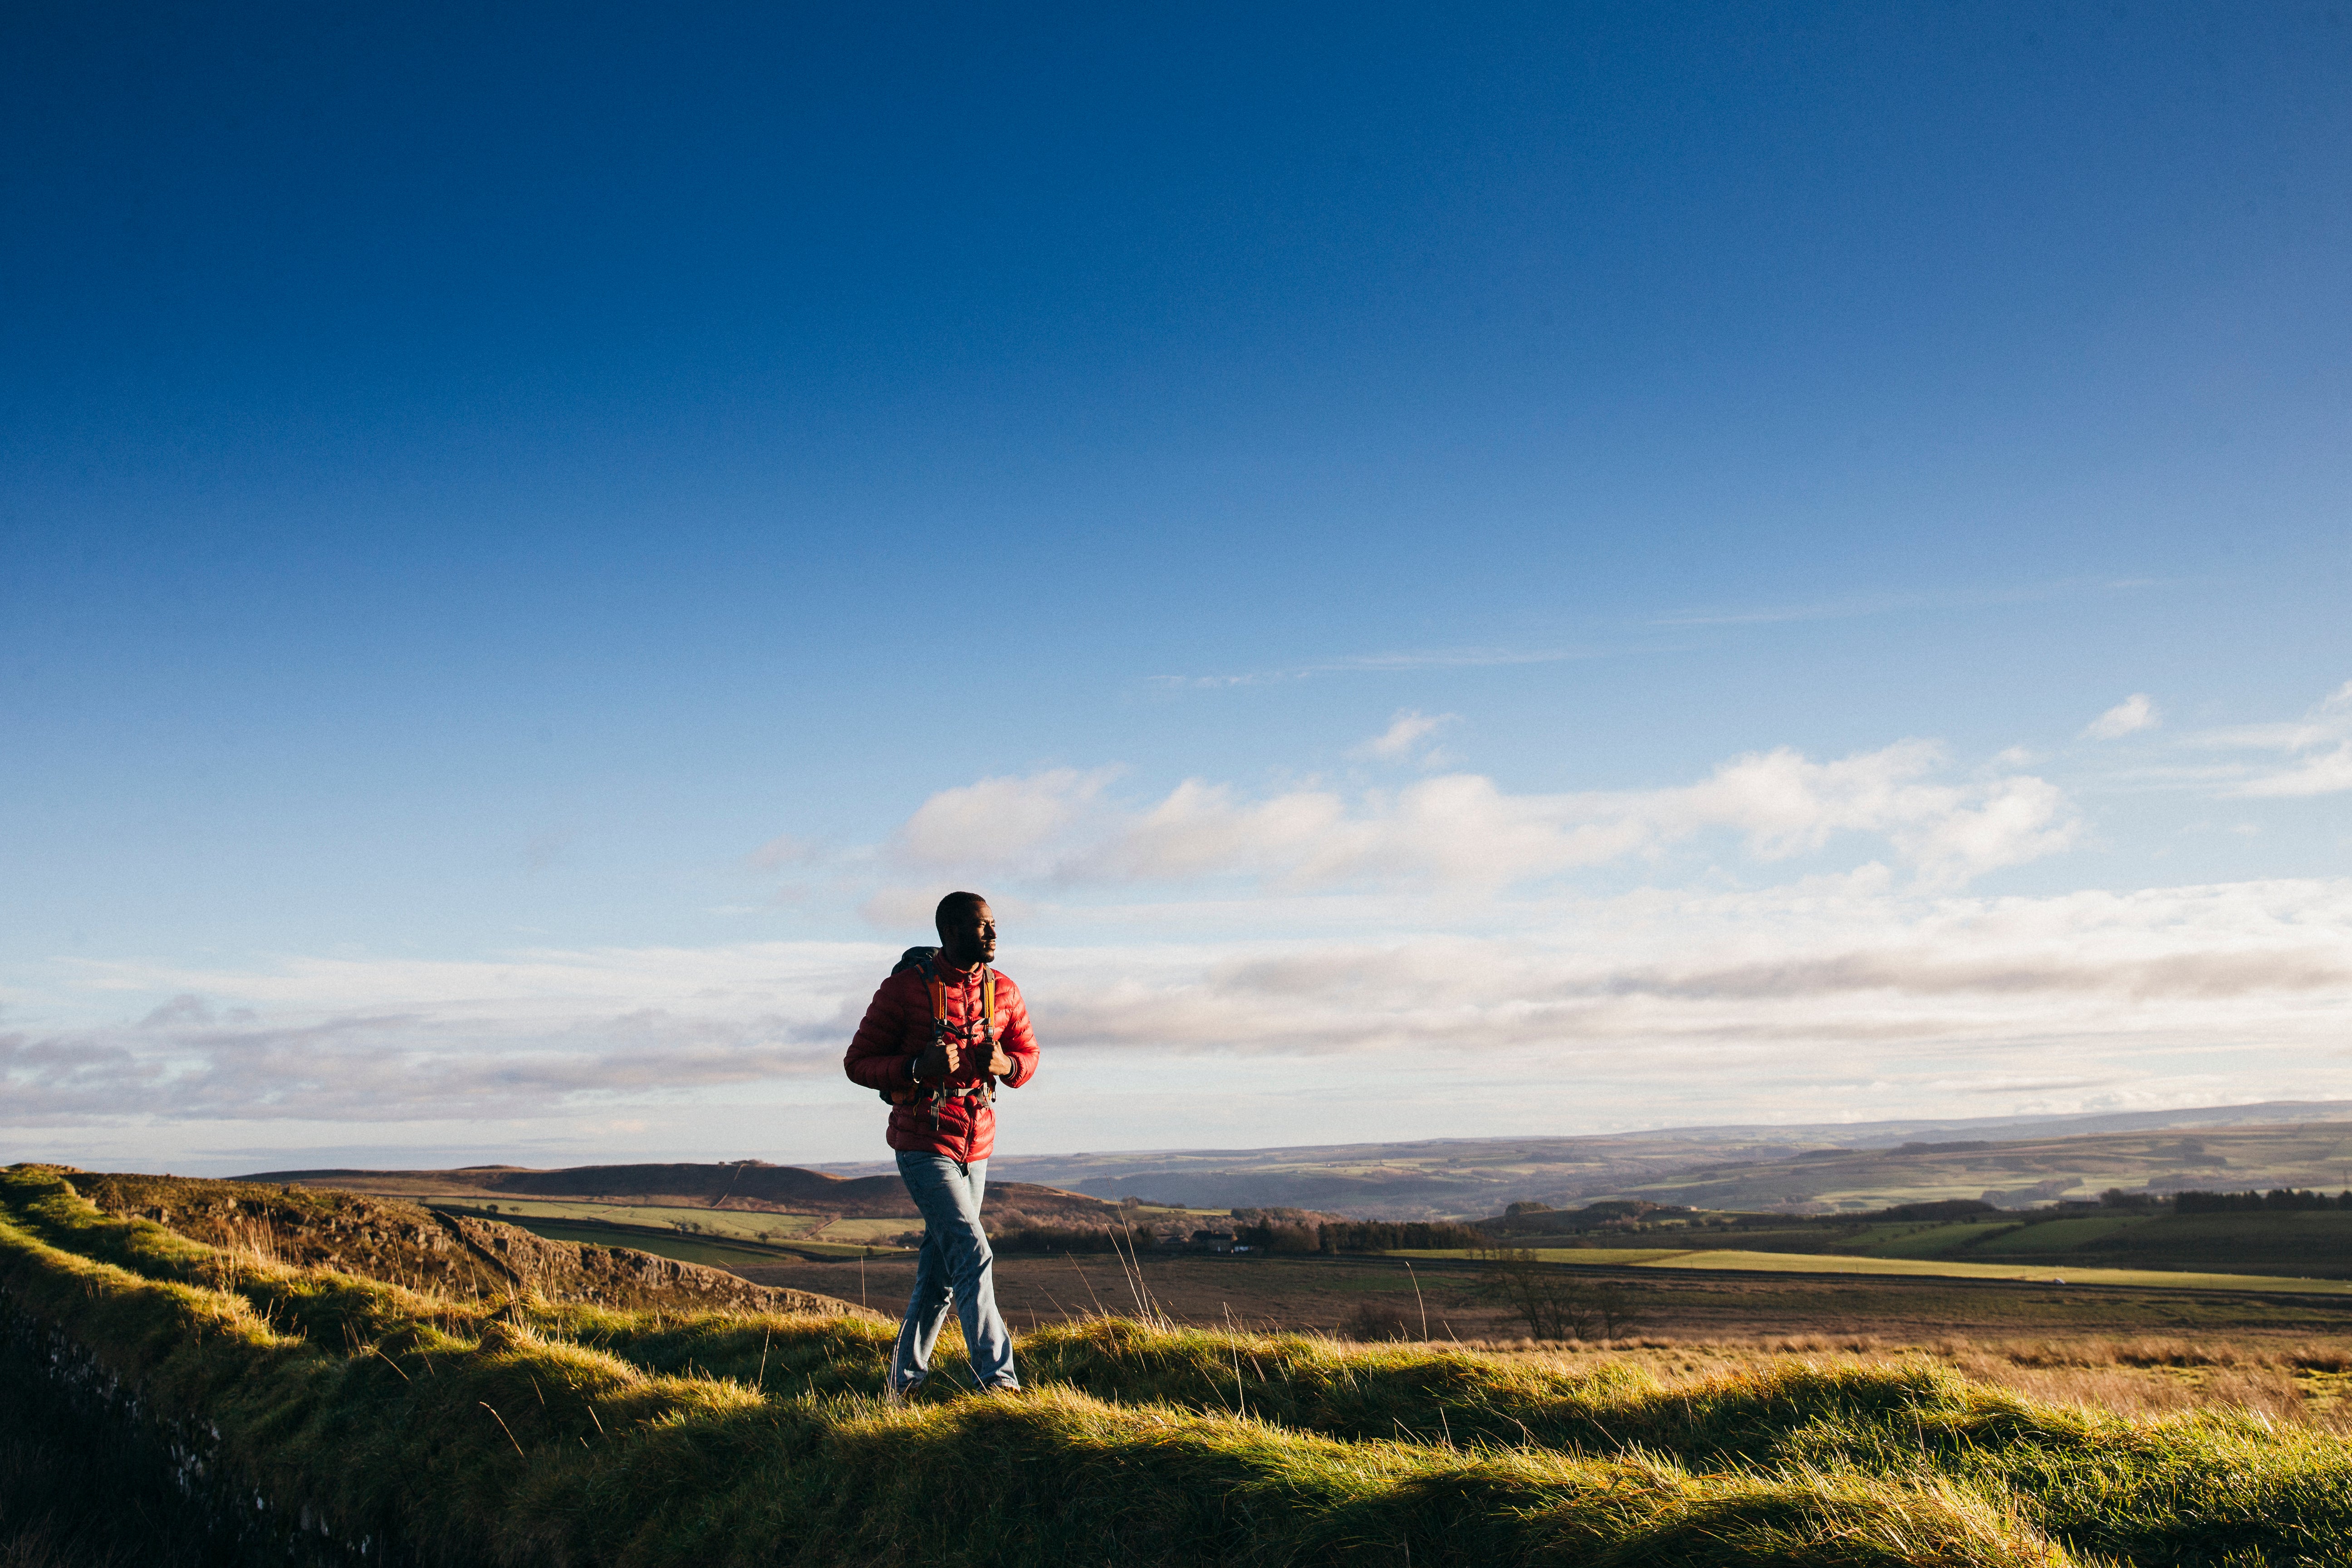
999	821
1405	734
2134	713
1464	829
2009	822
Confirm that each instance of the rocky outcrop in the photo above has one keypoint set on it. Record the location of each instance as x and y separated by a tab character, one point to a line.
623	1277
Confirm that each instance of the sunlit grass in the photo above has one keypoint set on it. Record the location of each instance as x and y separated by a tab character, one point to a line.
521	1430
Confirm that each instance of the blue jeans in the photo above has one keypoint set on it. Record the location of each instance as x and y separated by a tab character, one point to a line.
955	1265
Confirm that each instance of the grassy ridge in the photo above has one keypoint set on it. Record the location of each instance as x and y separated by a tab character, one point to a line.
517	1432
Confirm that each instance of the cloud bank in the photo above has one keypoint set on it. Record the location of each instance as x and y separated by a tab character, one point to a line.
1637	991
1061	827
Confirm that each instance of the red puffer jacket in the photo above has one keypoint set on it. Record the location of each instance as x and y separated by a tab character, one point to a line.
898	1028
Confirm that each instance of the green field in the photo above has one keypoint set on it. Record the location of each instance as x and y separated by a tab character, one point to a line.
1844	1263
869	1231
2317	1243
2314	1244
1903	1240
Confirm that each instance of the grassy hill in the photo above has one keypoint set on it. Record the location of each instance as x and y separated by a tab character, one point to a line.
423	1426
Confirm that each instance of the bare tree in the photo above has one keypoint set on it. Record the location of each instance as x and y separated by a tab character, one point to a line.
1554	1304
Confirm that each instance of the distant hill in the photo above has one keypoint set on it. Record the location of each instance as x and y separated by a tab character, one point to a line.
2020	1172
1454	1178
751	1184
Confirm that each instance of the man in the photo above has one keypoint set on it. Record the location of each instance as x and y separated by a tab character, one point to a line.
941	1032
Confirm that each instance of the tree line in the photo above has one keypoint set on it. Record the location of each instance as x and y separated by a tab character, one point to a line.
2245	1203
1397	1235
1269	1233
1330	1236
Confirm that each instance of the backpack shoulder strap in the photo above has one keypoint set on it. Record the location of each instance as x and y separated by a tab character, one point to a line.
939	996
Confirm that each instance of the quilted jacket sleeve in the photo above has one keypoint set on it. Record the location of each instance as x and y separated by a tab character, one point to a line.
878	1056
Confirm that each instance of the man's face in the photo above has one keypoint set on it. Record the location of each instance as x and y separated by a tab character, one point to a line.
969	937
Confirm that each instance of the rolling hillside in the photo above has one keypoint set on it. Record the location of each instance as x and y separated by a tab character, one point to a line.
2018	1174
1455	1178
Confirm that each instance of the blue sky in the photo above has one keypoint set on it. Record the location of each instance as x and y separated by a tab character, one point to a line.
1408	548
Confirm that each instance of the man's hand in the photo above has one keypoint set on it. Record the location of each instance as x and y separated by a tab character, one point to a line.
941	1061
999	1064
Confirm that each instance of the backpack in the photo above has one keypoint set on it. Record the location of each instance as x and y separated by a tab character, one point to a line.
923	958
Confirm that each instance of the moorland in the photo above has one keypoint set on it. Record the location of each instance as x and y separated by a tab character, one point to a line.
304	1405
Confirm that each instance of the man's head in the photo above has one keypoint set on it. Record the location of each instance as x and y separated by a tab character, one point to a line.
967	929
